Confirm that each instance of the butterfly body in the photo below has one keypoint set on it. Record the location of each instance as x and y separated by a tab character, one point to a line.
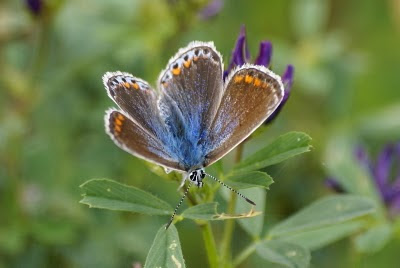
197	176
193	118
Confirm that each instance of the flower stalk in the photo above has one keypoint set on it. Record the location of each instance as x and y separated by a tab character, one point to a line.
209	243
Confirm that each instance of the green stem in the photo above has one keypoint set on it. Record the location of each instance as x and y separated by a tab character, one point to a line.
209	243
244	254
230	224
228	232
239	153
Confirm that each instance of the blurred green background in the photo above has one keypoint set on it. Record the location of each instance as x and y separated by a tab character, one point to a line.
52	101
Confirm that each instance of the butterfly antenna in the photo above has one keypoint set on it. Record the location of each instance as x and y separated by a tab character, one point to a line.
233	190
179	204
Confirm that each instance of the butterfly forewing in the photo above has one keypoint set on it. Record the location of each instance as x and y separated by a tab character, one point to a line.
251	95
193	79
137	98
191	90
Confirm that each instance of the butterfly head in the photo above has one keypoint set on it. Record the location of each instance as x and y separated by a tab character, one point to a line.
197	176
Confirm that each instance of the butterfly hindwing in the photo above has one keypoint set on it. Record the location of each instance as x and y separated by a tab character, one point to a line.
252	93
134	139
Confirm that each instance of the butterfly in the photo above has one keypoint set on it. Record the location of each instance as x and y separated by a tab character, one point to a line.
194	118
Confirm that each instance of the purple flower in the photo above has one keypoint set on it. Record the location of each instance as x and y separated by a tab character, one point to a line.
241	55
212	9
388	184
386	178
333	184
35	6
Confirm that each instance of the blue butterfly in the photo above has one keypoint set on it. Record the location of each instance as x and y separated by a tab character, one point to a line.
194	118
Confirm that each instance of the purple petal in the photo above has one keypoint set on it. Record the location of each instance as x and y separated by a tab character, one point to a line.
226	73
264	54
246	47
212	9
334	185
394	187
363	158
382	170
35	6
240	53
287	80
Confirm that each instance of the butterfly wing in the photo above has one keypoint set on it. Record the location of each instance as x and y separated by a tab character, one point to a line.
138	128
252	93
191	90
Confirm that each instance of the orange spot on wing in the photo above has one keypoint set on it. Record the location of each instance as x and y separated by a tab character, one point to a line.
257	82
176	71
120	117
135	86
248	79
195	58
118	122
187	63
238	78
127	85
117	128
264	85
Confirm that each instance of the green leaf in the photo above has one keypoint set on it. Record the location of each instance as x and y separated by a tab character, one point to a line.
318	238
249	180
166	250
324	212
108	194
374	239
208	211
283	253
284	147
252	225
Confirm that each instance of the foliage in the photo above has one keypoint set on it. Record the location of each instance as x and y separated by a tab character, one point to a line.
283	244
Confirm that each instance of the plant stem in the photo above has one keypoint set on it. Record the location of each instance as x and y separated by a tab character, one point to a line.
230	224
239	153
209	243
228	232
244	254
